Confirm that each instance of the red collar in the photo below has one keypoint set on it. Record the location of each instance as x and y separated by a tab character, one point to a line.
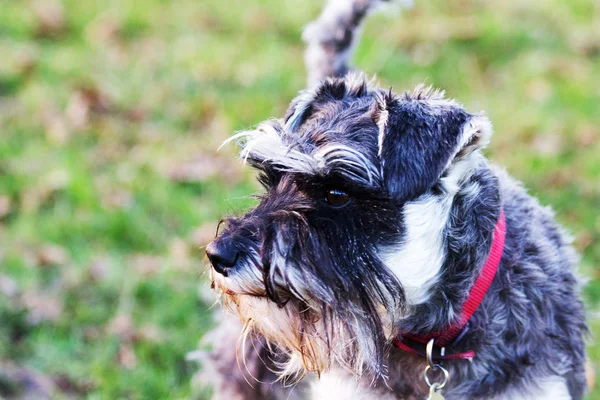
411	343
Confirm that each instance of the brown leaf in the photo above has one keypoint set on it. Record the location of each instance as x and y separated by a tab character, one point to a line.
557	178
41	307
135	114
5	206
548	144
27	61
584	239
52	255
92	333
56	128
99	269
150	333
8	287
585	39
50	18
117	199
83	102
146	265
78	111
204	167
102	30
126	356
122	326
43	191
587	135
77	387
179	254
539	90
97	100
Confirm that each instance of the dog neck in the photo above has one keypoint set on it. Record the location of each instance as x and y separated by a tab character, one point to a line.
410	342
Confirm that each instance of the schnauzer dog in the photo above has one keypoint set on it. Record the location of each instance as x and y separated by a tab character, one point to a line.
388	259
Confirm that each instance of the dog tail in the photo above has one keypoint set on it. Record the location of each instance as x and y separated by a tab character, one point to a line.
332	37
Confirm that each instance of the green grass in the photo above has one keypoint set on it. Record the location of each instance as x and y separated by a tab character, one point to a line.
110	117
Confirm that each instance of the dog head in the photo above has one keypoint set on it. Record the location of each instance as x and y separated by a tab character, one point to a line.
350	234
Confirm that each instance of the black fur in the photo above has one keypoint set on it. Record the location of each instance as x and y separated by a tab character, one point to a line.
420	139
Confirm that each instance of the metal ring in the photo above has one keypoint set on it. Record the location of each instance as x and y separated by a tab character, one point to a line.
439	385
429	353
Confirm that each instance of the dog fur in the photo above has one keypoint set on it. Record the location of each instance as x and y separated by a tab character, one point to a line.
321	289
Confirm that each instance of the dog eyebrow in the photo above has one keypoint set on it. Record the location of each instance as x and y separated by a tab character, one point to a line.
332	159
268	146
349	163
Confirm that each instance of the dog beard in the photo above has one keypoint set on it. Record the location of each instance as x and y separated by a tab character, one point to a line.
313	335
322	307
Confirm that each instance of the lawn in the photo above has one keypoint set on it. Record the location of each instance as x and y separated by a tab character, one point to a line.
110	182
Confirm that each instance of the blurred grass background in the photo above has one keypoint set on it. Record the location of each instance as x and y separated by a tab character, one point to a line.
110	117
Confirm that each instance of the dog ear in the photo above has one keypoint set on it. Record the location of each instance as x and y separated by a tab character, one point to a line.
421	136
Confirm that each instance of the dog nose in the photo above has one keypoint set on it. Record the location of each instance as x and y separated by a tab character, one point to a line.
222	256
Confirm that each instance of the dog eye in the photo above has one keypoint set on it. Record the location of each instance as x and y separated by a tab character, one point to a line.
336	197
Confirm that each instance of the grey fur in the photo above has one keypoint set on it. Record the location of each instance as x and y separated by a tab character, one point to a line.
242	371
391	151
332	36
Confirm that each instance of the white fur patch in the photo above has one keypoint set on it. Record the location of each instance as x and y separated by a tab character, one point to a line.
418	260
339	385
381	124
550	388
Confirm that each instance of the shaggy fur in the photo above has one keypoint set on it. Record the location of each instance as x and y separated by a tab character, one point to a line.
378	215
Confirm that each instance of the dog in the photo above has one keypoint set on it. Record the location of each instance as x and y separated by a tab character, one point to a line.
387	258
